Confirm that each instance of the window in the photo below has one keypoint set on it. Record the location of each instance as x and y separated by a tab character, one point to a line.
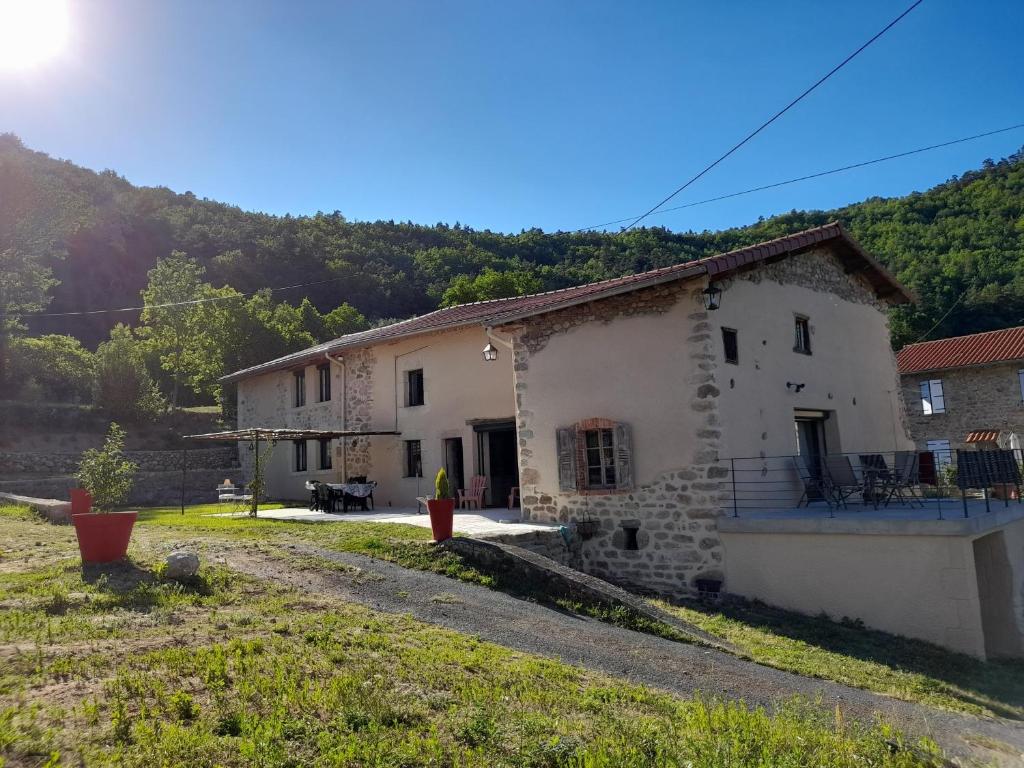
1020	378
802	337
300	389
325	454
731	345
324	380
595	455
932	398
414	387
600	458
300	455
942	453
413	459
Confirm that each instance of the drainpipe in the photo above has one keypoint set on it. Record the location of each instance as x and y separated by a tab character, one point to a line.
340	361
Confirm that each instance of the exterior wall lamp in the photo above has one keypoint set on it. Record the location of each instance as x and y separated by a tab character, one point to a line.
712	296
490	353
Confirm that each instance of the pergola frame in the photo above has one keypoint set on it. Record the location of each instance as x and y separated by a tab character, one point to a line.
255	435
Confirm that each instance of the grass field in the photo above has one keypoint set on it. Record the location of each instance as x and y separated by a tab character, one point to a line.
116	665
814	646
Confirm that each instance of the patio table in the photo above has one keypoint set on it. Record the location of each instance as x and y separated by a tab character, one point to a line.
360	491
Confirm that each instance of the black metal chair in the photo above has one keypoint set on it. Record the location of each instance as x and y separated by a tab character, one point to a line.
327	498
904	478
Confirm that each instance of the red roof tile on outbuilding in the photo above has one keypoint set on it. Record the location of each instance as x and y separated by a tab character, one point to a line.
963	351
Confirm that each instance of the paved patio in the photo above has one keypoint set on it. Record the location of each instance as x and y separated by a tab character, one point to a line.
478	523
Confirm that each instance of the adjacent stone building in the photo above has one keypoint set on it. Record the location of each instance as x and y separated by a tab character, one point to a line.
965	391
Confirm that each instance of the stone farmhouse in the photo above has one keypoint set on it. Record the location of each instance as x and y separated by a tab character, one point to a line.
635	410
966	391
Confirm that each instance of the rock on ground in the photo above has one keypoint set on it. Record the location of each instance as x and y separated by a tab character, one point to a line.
182	565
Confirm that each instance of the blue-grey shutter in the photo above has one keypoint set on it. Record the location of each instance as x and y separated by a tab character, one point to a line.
566	437
623	457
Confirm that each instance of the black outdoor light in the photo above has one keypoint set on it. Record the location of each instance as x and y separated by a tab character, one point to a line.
712	296
490	352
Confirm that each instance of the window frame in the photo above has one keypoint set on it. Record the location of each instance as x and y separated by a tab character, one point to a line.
299	388
326	456
323	374
802	334
932	404
420	389
732	333
1020	380
300	456
606	465
413	459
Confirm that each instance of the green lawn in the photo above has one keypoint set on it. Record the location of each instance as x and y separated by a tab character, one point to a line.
115	665
813	646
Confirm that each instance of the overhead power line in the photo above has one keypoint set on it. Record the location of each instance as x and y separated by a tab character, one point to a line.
817	175
182	303
780	113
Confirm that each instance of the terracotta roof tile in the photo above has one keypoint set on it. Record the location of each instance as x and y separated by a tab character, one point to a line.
498	311
962	351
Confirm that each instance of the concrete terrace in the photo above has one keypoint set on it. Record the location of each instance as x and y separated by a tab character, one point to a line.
484	523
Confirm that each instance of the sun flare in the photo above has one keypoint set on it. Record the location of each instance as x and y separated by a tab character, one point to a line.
31	31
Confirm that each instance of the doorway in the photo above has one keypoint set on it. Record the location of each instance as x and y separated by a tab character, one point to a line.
811	445
498	460
453	462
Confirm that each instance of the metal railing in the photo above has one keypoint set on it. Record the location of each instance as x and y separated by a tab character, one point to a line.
947	482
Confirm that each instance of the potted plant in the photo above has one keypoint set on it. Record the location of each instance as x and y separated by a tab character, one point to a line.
107	475
441	508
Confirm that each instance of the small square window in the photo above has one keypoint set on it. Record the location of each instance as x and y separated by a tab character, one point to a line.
413	459
300	455
324	382
300	389
802	336
325	454
731	345
414	387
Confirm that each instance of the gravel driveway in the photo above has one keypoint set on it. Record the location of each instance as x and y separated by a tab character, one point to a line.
671	666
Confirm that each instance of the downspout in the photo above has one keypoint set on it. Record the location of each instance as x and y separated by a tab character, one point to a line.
340	361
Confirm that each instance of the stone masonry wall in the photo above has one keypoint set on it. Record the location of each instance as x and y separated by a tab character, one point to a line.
40	463
358	407
986	397
675	513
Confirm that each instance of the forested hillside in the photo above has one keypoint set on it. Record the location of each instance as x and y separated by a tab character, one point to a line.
100	236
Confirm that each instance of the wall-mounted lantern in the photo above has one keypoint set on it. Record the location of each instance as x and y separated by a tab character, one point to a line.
712	296
490	353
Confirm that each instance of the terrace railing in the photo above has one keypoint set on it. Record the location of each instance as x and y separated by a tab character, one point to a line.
948	482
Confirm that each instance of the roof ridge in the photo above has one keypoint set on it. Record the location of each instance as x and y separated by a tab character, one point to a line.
964	336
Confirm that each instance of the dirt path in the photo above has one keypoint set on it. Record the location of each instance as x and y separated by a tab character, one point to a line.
671	666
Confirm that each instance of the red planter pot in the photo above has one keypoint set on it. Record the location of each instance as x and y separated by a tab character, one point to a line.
442	515
103	537
81	501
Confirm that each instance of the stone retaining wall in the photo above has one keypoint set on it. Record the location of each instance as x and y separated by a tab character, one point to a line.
551	544
46	463
151	488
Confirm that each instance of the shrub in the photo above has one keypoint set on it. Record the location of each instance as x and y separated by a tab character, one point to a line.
63	371
105	472
124	388
441	487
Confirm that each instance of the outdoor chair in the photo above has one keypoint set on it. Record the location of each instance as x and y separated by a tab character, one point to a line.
875	475
474	495
513	496
360	501
226	492
326	498
314	497
815	485
843	480
903	479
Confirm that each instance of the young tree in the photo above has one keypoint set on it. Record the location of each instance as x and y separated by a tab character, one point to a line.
174	320
124	388
24	287
106	473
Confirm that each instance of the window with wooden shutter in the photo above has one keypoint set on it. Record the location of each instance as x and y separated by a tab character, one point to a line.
595	456
566	437
623	457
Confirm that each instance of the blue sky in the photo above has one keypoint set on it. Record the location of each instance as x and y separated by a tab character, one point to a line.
519	114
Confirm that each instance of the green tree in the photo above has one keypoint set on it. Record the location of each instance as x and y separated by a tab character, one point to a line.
64	370
106	473
124	389
176	321
24	287
490	284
